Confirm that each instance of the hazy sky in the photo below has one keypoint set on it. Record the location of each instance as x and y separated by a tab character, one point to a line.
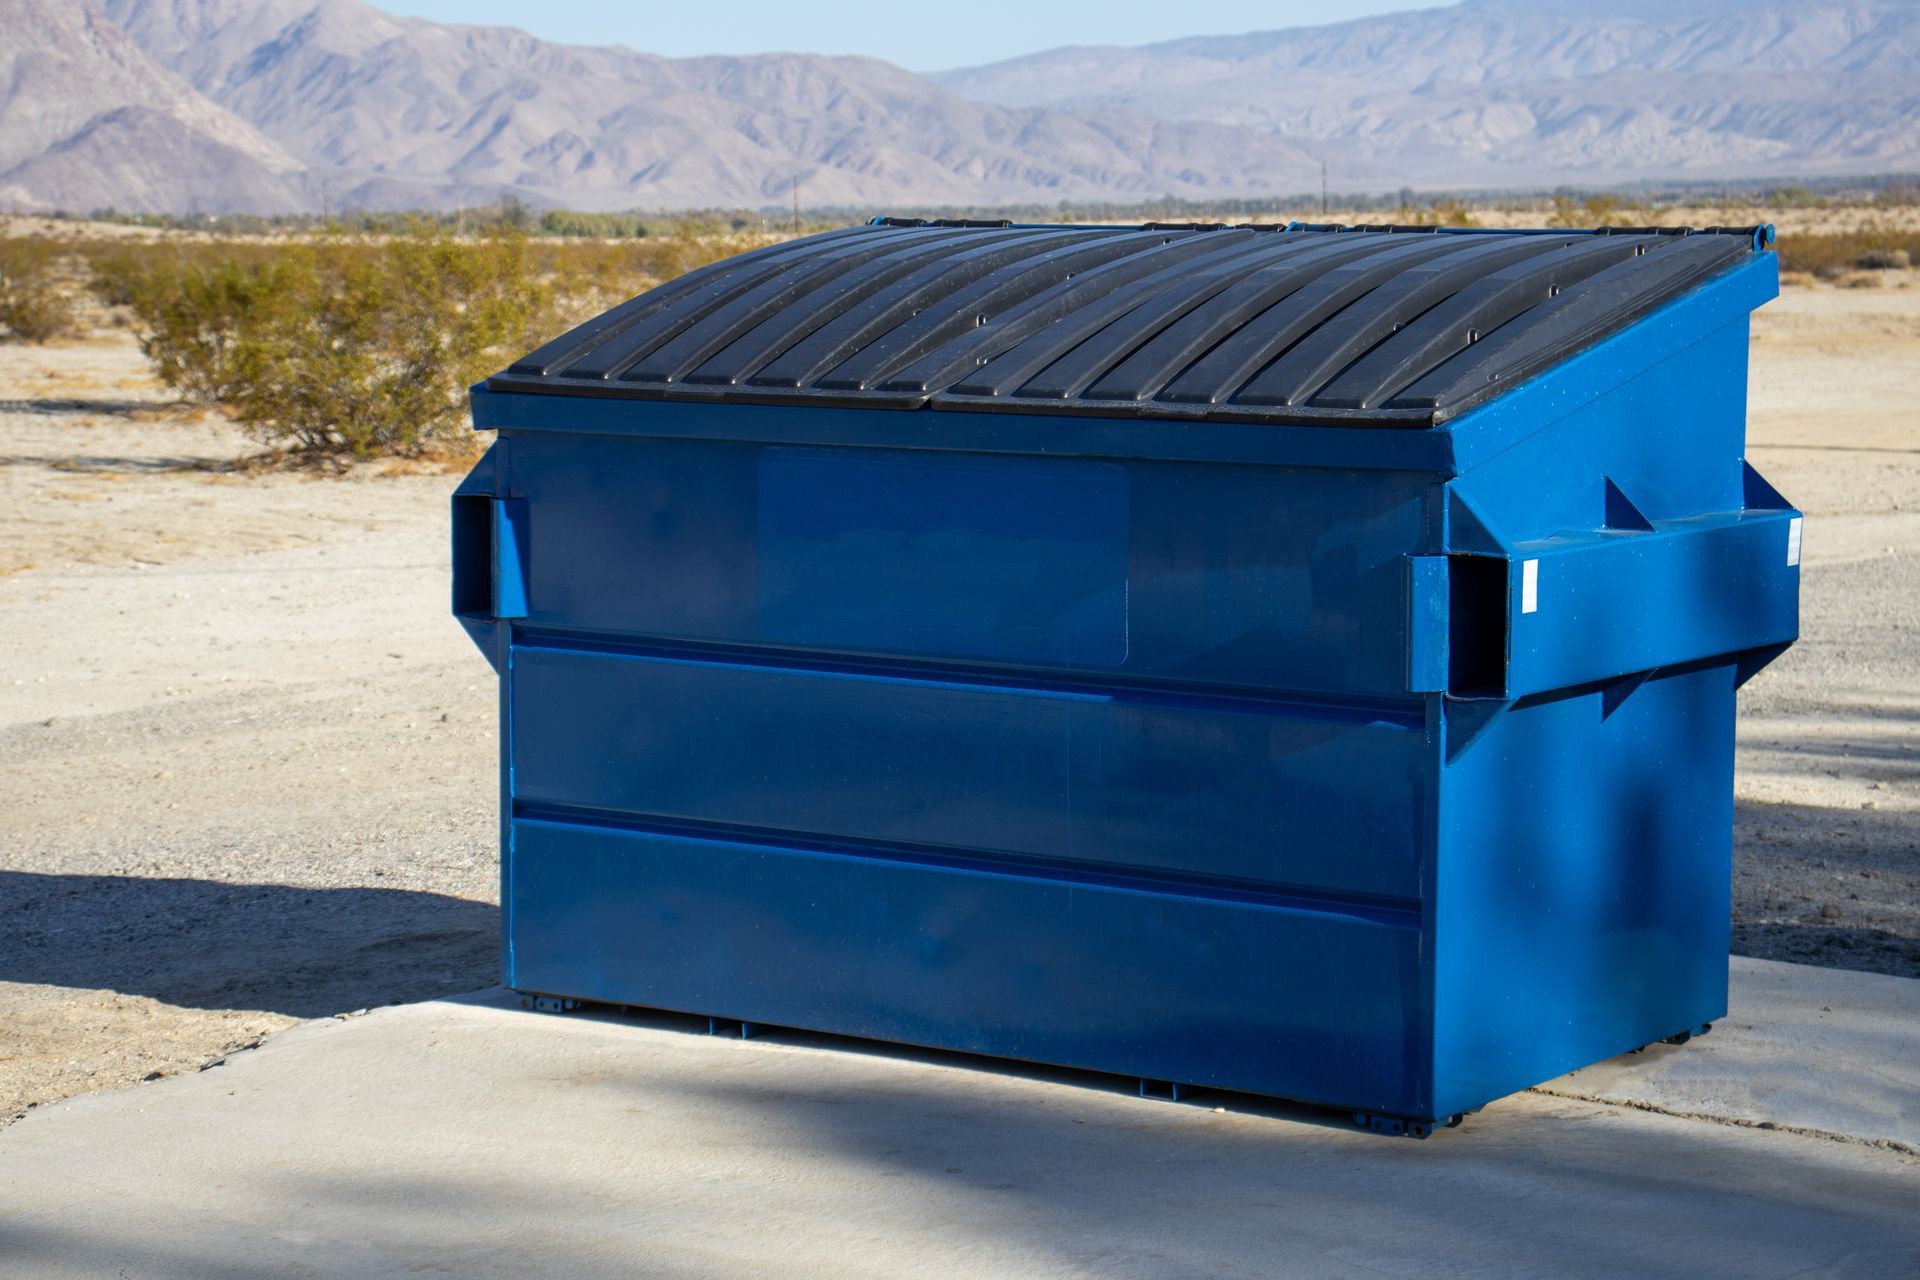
928	36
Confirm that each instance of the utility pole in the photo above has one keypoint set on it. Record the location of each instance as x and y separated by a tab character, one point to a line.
1323	188
796	204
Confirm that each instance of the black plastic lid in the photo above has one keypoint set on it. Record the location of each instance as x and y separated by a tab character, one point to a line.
1401	326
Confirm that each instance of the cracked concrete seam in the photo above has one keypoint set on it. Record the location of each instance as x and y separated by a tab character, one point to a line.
1739	1122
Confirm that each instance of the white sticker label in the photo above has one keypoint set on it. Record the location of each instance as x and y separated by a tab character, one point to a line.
1793	542
1529	585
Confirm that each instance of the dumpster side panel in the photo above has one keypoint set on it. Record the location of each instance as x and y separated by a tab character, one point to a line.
1582	885
1583	890
1670	440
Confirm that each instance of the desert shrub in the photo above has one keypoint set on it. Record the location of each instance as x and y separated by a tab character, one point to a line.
193	305
369	348
1594	211
1443	212
1794	197
115	275
355	346
589	276
688	246
1832	254
33	306
1884	260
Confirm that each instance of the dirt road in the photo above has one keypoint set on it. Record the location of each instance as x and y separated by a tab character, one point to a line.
248	760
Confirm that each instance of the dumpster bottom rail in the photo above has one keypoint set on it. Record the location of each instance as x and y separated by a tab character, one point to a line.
1386	1125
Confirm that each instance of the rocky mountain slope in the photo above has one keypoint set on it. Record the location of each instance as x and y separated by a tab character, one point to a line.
355	92
1531	91
88	119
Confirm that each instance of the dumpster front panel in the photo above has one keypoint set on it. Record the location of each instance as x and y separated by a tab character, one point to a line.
1188	789
1034	757
1175	574
1228	990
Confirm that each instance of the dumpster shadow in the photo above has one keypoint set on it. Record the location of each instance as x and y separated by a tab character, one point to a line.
1092	1180
125	464
201	944
1829	886
48	406
1867	950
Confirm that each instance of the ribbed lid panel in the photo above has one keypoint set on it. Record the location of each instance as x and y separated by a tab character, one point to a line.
1405	326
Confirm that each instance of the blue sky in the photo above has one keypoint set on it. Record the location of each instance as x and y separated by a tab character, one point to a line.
926	36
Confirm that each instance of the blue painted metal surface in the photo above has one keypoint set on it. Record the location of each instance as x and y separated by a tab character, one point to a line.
1199	751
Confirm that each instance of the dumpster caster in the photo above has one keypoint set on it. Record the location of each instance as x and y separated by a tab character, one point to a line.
1685	1036
1164	1090
547	1004
732	1028
1396	1126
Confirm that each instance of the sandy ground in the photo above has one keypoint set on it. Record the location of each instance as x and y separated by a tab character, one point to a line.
1827	822
247	760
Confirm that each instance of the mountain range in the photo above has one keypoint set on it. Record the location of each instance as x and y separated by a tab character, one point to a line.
1502	92
281	105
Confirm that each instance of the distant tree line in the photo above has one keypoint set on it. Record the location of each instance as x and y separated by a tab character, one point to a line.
513	212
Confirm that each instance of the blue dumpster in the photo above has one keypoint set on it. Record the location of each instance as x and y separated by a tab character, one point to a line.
1292	660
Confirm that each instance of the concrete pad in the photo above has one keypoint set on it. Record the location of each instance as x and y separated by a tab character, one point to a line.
1822	1051
473	1139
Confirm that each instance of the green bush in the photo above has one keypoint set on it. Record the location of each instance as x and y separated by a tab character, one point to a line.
1794	197
33	308
1832	254
1443	212
116	274
357	346
193	305
368	348
1594	211
589	276
1884	260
